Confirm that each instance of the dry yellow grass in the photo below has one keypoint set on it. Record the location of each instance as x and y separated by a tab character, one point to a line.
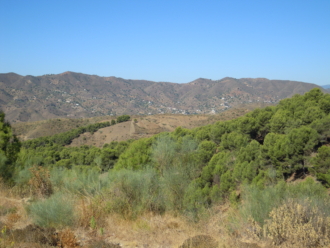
92	212
148	230
40	185
67	239
166	230
298	225
293	224
12	211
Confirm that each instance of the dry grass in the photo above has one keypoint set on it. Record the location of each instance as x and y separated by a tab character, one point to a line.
298	225
200	241
12	211
148	230
40	184
67	239
12	219
162	230
293	224
92	212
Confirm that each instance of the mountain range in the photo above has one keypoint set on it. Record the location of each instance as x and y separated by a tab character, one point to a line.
70	94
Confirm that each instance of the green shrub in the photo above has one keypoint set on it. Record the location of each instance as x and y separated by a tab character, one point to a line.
257	203
163	151
175	183
82	180
136	156
135	192
23	176
123	118
195	201
56	211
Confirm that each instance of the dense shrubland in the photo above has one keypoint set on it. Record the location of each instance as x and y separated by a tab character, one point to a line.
272	165
261	148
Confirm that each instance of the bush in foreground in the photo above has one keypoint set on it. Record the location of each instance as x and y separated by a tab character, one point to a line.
290	215
56	211
298	223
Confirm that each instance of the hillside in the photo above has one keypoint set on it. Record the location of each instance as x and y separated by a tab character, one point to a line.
69	94
32	130
259	180
139	126
150	125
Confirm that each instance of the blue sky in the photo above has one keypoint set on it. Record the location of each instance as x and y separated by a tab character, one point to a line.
173	41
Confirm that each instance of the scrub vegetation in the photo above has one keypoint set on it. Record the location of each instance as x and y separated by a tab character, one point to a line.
261	179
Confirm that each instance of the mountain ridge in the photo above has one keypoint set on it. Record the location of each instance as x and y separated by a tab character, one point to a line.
71	94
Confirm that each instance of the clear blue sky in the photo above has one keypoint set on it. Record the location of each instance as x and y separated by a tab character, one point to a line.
174	41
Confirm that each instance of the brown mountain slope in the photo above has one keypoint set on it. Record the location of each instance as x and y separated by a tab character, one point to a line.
69	94
36	129
146	126
138	127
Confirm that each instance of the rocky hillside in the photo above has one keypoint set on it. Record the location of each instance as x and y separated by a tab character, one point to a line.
29	98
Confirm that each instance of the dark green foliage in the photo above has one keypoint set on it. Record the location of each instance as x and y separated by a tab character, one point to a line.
234	140
202	133
324	104
322	160
136	156
110	154
321	164
260	148
68	157
322	126
280	120
9	148
181	132
312	113
206	149
123	118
